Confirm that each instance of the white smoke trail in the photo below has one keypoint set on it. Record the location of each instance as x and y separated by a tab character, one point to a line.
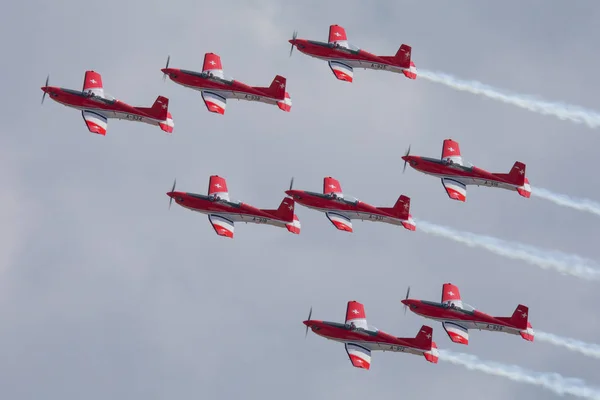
566	264
548	380
567	201
560	110
588	349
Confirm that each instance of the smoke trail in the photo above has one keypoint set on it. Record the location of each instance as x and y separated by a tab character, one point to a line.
548	380
566	264
560	110
567	201
587	349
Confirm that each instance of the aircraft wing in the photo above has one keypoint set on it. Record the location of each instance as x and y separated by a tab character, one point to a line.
360	356
215	102
451	152
332	185
342	71
222	225
451	295
95	121
340	221
355	314
92	83
457	333
212	64
456	189
217	186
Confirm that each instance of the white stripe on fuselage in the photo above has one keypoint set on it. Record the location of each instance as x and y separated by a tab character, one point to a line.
364	64
363	216
231	94
237	217
479	325
379	346
475	181
117	114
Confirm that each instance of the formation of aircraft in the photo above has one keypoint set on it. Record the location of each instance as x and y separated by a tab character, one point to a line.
223	213
456	175
341	209
343	57
458	317
97	107
216	88
360	339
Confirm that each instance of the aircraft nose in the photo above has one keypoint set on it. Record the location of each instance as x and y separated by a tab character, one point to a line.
307	322
293	193
405	158
171	194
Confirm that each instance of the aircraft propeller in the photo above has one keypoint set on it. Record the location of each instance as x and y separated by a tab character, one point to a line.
166	66
172	190
405	155
46	85
406	298
291	183
309	315
294	36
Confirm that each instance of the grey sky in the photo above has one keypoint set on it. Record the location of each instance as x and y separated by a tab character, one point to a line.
104	293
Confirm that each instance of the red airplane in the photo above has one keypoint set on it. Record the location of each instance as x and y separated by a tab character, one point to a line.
216	88
360	339
97	107
456	175
343	57
458	317
342	209
222	213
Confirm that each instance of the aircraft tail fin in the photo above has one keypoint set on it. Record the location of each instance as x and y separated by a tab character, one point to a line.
277	88
516	176
159	110
519	318
285	213
424	341
402	59
401	210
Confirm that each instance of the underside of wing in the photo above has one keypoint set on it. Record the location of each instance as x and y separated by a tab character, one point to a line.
340	221
95	122
457	333
360	357
215	103
456	189
342	71
222	225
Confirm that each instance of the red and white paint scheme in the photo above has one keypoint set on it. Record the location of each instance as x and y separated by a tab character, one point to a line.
342	209
216	88
361	339
97	107
343	57
223	213
456	175
458	317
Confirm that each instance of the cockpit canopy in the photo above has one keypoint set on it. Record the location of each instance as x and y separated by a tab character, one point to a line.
350	199
346	45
